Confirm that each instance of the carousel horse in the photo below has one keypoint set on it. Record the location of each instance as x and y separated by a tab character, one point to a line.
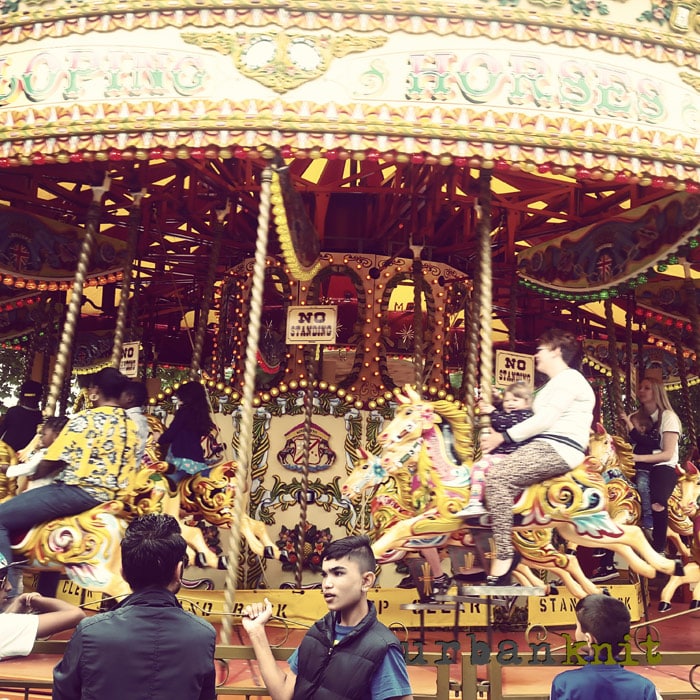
686	509
575	503
86	545
8	458
204	497
392	502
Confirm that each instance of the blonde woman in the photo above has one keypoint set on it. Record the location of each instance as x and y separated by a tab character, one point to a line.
655	409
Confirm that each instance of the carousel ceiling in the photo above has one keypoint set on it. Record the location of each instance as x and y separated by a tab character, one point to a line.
560	246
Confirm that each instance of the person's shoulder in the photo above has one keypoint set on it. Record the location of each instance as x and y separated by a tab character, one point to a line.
197	623
569	677
384	633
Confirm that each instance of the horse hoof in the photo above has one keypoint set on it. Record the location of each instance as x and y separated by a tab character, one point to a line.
222	563
269	552
553	590
665	607
200	560
679	570
694	605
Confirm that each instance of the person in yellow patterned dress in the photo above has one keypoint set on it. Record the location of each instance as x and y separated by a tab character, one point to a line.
98	446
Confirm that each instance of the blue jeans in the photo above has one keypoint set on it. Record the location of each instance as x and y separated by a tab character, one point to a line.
36	506
641	478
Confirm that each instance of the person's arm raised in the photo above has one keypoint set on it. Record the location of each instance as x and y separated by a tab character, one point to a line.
280	685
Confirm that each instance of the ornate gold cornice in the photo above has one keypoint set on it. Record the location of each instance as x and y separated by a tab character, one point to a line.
656	42
281	60
137	129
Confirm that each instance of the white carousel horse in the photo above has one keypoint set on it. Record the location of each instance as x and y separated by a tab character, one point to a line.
576	503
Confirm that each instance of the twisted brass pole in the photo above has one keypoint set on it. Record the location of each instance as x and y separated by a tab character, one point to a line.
616	393
246	432
685	396
418	339
628	351
471	322
130	254
208	296
485	293
306	450
65	347
691	304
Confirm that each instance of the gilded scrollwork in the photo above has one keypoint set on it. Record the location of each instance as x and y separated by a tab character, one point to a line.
283	60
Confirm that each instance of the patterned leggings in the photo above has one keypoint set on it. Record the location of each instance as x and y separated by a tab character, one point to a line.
529	464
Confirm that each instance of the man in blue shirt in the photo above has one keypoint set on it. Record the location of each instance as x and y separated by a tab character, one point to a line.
348	654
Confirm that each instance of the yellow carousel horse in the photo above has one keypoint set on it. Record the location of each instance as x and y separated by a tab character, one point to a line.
686	514
427	440
86	545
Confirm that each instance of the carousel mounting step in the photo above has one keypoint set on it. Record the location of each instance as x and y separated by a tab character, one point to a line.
511	591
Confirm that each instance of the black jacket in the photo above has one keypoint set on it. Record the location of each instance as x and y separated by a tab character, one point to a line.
342	671
147	648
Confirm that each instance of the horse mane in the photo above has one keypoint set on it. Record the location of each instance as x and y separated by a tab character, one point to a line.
456	416
625	457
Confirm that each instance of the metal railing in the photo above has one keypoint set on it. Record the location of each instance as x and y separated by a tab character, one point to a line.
468	688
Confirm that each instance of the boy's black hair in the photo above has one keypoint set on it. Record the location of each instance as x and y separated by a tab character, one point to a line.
109	381
355	547
152	548
134	394
605	618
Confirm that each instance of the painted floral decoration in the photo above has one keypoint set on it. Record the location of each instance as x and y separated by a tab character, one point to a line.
315	541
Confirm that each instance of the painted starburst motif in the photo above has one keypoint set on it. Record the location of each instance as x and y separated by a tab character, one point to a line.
406	335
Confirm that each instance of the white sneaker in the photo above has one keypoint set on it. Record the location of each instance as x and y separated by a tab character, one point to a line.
472	510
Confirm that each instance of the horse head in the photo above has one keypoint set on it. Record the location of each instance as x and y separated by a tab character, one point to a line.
689	487
612	452
211	494
414	416
367	475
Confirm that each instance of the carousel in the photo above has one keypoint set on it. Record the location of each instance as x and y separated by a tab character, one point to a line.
338	217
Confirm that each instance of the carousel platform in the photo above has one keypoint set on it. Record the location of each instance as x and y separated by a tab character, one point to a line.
471	661
436	672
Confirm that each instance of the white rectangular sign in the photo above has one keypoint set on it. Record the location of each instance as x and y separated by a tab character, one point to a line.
514	367
311	325
129	365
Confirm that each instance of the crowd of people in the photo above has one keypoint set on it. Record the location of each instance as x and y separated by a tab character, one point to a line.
71	465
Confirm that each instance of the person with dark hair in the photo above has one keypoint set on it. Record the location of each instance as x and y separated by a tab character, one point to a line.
18	426
555	441
603	623
133	400
348	654
20	628
147	646
192	422
98	447
37	470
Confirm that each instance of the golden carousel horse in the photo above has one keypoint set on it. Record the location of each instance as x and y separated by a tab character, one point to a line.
86	545
686	514
392	501
576	503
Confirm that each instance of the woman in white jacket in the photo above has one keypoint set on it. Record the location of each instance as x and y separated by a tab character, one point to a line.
558	435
